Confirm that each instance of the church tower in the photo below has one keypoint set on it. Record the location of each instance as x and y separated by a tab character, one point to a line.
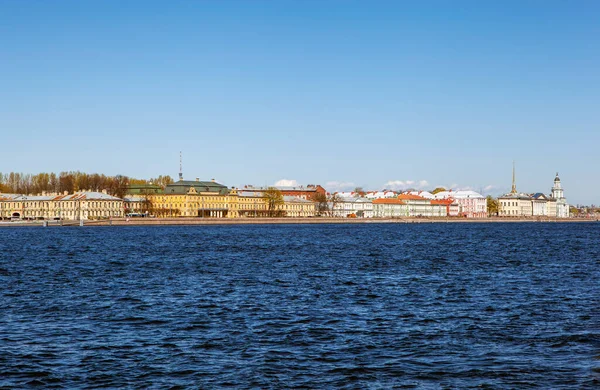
557	191
562	207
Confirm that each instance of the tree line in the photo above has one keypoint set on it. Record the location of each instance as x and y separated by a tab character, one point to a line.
72	181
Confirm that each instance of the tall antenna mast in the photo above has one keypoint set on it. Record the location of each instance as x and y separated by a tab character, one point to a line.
180	167
514	184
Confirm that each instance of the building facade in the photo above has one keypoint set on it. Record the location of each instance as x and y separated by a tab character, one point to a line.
187	198
515	204
471	204
419	206
562	207
353	206
409	205
252	204
297	207
308	192
389	208
80	205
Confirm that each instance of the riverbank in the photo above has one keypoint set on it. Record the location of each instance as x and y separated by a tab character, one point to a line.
259	221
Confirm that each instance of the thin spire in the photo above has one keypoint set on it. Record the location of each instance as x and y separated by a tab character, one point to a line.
180	167
514	183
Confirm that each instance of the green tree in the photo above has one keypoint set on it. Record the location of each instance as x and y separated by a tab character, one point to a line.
574	211
437	190
492	205
273	198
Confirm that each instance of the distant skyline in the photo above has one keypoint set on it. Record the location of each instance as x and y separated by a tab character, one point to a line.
380	94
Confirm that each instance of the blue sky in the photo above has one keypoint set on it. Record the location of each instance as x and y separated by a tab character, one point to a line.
342	93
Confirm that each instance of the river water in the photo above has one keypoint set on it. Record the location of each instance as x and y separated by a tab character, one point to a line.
377	306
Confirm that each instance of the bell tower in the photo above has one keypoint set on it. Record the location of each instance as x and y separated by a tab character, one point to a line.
557	190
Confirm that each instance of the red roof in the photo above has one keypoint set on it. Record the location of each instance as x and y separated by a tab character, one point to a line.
410	197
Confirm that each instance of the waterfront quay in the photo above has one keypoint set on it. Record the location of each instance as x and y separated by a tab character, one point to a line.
278	221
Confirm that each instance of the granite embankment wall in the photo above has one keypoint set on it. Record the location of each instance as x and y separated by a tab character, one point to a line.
253	221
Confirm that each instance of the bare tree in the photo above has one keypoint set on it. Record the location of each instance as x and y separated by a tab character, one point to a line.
332	202
320	200
273	198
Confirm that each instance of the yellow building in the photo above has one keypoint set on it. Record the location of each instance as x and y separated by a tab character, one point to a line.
80	205
297	207
251	204
209	199
194	199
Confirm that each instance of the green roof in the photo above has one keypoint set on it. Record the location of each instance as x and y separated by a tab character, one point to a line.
143	189
182	187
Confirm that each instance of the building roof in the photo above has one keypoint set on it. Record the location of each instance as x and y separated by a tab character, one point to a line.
354	199
423	194
515	196
4	197
388	201
295	199
83	195
133	199
182	187
381	194
461	194
444	202
253	194
542	196
410	197
91	195
308	188
136	189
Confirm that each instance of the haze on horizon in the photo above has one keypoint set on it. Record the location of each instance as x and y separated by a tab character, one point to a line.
380	94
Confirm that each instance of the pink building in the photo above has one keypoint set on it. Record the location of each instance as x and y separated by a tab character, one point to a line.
471	204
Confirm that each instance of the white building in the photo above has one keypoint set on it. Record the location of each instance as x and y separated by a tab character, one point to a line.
360	207
539	205
385	194
423	194
407	205
562	207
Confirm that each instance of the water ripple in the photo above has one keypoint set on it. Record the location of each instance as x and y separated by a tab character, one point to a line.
331	306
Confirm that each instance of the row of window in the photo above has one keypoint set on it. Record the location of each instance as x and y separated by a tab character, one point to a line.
71	204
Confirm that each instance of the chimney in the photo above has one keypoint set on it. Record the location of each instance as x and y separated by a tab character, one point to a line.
197	179
104	192
213	180
66	193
